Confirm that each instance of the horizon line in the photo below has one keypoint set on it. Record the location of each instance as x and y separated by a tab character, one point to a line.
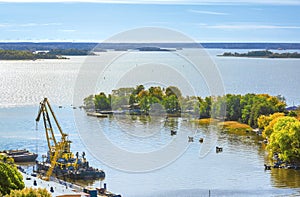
104	42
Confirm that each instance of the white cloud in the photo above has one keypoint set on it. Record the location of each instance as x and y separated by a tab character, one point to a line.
50	24
249	27
4	25
18	30
207	12
28	24
67	30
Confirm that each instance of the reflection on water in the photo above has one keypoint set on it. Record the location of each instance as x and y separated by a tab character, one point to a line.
237	171
285	178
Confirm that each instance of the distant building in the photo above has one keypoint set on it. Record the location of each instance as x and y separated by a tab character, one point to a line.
292	108
41	52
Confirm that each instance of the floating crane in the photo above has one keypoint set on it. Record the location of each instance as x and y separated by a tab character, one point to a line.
60	157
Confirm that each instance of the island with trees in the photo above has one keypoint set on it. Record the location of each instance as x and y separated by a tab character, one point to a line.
242	108
262	54
137	100
70	52
153	49
26	55
232	112
34	55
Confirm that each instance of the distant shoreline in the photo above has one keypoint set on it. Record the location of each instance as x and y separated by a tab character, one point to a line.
33	46
16	54
262	54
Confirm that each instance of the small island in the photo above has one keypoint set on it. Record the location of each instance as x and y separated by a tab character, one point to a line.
262	54
153	49
34	55
26	55
71	52
260	114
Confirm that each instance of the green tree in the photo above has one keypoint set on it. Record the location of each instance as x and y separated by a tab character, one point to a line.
218	107
30	192
246	105
292	114
138	89
89	102
132	99
142	93
172	105
285	139
257	110
172	90
266	122
102	102
156	92
253	106
10	178
233	107
145	105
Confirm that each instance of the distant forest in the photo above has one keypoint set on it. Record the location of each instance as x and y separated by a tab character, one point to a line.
262	54
26	55
30	55
33	46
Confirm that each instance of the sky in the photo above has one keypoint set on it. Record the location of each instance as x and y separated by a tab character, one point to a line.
203	21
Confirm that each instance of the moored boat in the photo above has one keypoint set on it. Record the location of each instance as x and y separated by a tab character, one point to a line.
21	155
84	172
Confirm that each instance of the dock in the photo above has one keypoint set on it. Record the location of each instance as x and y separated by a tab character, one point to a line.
98	115
60	188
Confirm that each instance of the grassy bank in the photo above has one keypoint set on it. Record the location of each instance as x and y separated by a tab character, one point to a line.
206	121
230	126
234	126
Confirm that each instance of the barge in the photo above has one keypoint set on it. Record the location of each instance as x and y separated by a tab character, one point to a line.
20	155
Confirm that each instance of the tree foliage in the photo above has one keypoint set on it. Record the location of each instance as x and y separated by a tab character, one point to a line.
102	102
285	139
172	90
242	108
263	54
170	98
171	104
30	192
70	52
10	178
266	122
25	55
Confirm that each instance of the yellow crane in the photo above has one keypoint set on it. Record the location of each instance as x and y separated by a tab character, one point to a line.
57	149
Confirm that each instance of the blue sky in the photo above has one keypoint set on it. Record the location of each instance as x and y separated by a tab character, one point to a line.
204	21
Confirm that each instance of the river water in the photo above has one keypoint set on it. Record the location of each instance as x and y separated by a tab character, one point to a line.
237	171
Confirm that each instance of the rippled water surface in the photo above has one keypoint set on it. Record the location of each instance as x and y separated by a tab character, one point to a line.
237	171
